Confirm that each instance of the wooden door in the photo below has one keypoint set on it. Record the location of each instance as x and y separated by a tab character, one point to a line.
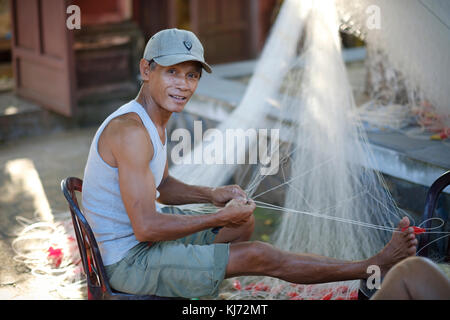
43	59
225	28
154	15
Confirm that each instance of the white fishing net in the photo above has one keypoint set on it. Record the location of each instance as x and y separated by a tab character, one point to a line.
258	101
407	44
49	249
332	198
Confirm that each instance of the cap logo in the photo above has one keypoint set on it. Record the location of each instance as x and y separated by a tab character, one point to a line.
187	44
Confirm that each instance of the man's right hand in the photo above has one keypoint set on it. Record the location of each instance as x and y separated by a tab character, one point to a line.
237	212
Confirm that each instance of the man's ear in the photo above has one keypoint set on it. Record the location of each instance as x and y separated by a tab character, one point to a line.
144	68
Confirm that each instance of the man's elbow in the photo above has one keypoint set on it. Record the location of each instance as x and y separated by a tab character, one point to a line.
140	236
148	234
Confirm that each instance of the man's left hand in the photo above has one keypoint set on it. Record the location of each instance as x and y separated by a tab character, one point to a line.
221	195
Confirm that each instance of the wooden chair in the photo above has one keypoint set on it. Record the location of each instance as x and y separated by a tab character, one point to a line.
97	281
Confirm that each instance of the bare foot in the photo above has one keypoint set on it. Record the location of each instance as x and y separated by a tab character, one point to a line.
401	246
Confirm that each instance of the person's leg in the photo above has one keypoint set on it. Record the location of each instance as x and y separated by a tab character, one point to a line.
233	235
414	278
258	258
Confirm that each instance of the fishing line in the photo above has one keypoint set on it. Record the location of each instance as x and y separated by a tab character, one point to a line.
31	247
292	179
265	205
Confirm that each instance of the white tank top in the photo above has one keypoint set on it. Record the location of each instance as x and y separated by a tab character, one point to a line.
101	198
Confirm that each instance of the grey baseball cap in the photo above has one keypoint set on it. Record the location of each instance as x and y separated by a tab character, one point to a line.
171	46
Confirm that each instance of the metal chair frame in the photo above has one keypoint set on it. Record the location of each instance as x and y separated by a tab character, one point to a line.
430	208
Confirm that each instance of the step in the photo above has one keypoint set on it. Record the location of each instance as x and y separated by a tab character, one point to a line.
21	118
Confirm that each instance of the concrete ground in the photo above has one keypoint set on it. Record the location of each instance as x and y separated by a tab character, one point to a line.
31	170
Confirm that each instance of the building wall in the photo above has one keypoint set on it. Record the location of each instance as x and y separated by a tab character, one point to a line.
231	30
104	11
200	16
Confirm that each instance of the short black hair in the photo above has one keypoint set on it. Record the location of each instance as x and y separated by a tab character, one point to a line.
152	64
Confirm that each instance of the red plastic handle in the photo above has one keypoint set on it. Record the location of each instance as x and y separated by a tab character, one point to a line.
417	230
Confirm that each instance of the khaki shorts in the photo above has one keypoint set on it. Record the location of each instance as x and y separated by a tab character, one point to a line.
189	267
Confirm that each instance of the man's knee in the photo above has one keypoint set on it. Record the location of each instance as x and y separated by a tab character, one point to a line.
248	229
235	235
413	262
254	258
416	264
263	256
410	267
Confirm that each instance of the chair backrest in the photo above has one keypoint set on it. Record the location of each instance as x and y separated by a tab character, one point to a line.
98	286
430	206
97	281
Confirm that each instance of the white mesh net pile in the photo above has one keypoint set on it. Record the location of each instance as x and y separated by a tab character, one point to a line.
407	42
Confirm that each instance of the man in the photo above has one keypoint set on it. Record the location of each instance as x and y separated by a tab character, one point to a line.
166	251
